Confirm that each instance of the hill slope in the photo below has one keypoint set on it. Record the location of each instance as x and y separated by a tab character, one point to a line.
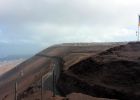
113	73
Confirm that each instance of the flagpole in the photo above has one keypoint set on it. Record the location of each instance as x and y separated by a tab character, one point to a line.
138	33
138	27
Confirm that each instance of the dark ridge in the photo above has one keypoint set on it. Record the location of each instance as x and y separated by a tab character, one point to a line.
106	75
87	65
69	84
111	50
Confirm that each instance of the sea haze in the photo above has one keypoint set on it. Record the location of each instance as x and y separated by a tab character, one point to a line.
14	57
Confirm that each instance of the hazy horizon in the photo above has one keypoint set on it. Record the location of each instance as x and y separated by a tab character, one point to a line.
29	26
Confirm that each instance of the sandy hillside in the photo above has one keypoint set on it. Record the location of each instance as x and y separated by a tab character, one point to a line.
7	65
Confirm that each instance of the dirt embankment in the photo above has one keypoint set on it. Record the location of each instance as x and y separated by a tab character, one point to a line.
113	73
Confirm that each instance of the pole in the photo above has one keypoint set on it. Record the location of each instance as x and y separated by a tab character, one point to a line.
16	90
53	84
138	33
42	88
138	28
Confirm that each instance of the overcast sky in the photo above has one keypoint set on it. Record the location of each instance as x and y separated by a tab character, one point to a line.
32	25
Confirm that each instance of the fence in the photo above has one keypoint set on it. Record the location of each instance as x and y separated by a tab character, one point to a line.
48	79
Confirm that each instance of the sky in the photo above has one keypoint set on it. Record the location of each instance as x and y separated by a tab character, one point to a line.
28	26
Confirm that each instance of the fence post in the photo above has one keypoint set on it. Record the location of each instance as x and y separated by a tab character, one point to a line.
42	88
53	84
16	90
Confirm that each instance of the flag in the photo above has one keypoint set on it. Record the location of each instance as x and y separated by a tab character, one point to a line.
139	21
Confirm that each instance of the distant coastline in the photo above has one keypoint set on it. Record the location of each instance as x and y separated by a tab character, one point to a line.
14	57
9	62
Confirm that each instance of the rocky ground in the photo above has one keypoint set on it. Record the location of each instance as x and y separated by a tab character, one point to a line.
73	96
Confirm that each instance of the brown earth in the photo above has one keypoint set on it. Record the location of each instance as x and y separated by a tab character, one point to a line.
34	68
47	95
113	73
